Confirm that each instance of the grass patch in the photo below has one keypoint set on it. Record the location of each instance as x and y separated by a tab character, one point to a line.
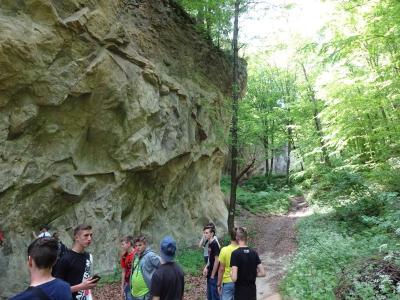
324	254
351	252
257	196
111	277
191	260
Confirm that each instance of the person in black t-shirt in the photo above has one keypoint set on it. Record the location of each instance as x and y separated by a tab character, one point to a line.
75	266
246	266
167	282
211	269
42	254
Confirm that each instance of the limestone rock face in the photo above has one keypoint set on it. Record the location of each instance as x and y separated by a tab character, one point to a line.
112	114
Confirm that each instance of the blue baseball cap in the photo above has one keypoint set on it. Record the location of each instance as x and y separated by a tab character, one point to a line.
167	248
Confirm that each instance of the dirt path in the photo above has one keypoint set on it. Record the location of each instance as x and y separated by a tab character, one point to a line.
275	240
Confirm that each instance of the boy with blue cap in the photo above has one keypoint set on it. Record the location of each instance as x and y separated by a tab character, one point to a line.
167	282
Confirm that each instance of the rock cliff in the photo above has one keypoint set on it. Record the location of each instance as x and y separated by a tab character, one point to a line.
112	114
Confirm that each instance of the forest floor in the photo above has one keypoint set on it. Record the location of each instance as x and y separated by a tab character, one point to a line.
274	238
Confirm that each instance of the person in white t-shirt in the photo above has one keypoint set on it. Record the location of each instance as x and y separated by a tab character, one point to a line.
44	232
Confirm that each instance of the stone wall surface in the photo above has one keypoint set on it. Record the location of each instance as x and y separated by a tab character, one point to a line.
111	114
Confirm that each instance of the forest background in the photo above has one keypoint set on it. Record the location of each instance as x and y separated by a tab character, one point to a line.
329	102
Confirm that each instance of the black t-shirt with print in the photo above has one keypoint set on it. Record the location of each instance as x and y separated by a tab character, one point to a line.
213	251
72	267
167	282
246	260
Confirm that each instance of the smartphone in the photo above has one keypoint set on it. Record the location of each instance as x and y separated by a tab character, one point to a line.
96	277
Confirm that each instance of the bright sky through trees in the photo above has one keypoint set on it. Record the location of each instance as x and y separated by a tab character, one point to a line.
282	22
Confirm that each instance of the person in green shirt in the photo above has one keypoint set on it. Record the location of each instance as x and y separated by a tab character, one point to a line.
144	265
226	288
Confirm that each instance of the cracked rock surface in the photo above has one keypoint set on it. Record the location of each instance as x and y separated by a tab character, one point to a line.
111	113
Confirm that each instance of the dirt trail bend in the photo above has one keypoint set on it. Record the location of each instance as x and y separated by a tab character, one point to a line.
275	241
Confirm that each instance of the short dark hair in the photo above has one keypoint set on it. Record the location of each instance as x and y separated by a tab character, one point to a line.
241	234
44	226
128	239
43	252
209	225
81	227
141	239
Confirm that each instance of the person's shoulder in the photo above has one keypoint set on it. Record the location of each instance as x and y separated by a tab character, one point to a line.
60	283
214	243
224	250
25	295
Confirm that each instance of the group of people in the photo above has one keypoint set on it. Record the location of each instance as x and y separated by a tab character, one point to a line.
59	273
69	276
231	271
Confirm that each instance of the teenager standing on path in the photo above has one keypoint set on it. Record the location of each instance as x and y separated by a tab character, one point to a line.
143	268
128	254
203	243
75	266
211	269
167	282
246	266
226	287
42	255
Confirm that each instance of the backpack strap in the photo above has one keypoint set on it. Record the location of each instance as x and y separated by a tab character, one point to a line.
38	292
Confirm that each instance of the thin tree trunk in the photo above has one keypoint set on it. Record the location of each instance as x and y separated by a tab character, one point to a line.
289	150
234	134
272	153
301	156
266	150
317	121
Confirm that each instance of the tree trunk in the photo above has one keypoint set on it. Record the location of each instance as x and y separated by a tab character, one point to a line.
271	169
234	134
317	121
266	150
289	150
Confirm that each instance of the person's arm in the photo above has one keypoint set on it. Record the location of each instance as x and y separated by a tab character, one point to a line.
221	271
205	270
155	260
86	284
156	298
260	270
201	242
34	235
234	272
123	282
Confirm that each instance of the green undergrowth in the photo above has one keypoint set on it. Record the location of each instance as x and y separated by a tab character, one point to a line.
111	277
257	196
191	260
349	249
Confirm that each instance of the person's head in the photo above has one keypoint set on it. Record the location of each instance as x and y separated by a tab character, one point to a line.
209	232
83	235
167	248
232	234
127	242
44	228
141	244
241	234
42	253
